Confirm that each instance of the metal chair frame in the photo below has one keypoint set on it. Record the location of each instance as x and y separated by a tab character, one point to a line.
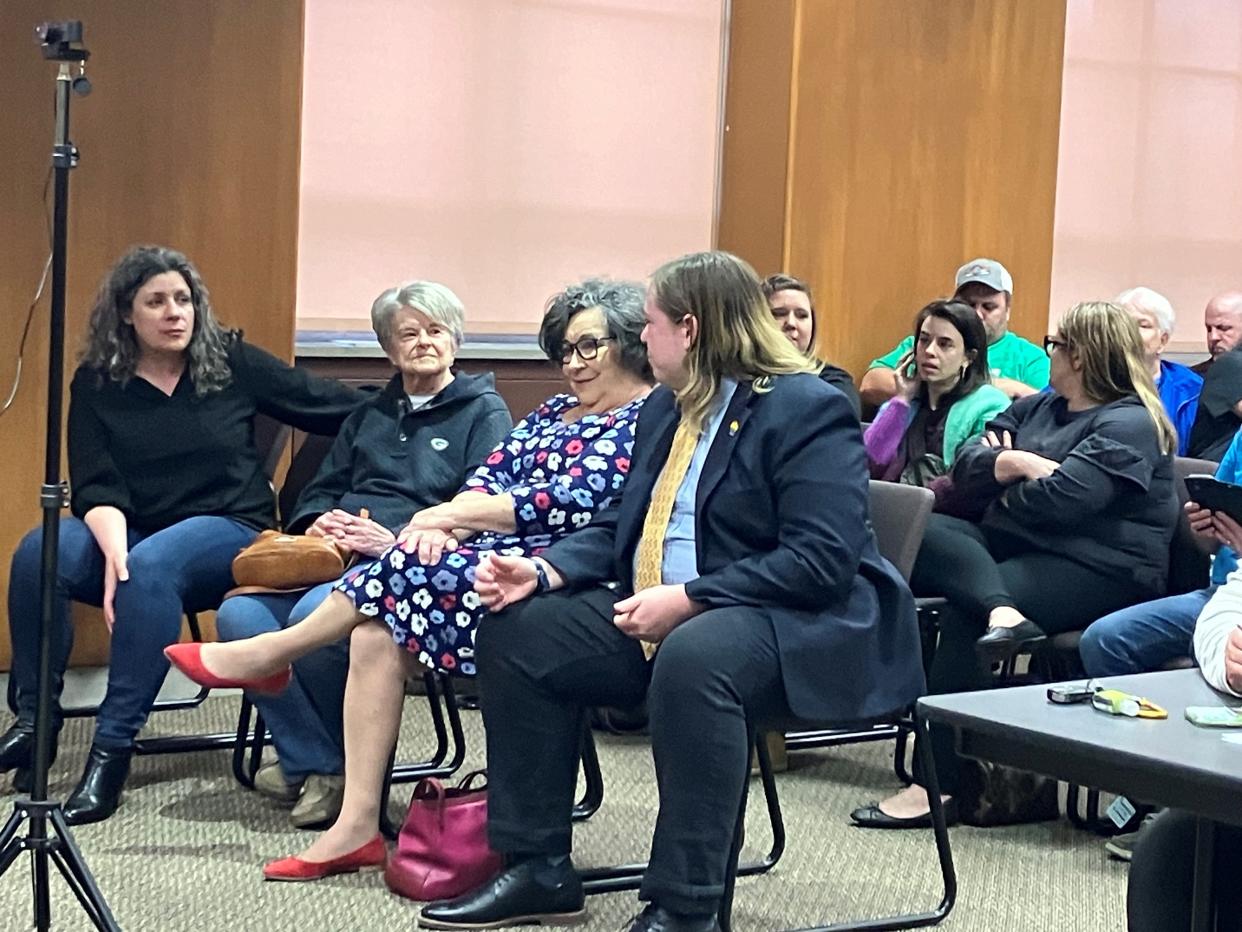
629	876
940	831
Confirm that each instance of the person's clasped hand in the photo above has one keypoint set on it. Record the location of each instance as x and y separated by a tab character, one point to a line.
353	532
651	614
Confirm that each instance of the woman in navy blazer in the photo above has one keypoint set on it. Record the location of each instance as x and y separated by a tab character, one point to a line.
773	603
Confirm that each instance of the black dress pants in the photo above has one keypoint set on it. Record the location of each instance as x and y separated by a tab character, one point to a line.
1161	884
544	661
977	571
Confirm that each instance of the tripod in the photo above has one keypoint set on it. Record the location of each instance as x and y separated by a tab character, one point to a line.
36	814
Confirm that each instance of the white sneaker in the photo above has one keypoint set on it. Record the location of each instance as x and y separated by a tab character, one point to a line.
1121	847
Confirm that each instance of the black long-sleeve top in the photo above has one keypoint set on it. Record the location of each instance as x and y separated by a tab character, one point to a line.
163	458
1111	505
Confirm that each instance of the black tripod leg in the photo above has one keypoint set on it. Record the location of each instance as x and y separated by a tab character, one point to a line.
72	882
76	864
42	890
10	844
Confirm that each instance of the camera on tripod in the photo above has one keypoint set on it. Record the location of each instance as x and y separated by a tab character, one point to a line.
58	40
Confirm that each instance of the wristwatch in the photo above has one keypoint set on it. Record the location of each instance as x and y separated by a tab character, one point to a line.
541	576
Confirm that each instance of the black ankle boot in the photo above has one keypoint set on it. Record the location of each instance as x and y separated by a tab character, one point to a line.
17	753
17	746
23	776
98	793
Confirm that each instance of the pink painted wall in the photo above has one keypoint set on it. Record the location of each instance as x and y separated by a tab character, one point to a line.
1149	186
503	147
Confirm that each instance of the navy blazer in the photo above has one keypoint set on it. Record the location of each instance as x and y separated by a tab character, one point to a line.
781	527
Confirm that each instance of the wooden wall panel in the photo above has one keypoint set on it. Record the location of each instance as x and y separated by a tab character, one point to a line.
756	134
922	133
191	139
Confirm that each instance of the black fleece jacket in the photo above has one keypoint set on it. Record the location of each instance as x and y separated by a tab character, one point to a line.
394	461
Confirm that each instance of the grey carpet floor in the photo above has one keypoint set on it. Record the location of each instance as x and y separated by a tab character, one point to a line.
185	850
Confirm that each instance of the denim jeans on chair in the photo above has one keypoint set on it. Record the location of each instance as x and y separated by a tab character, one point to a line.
1141	638
183	568
306	719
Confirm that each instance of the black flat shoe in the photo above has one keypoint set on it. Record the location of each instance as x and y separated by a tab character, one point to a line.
658	919
872	816
533	892
98	793
999	644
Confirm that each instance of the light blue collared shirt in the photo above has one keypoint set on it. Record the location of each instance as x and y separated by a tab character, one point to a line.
681	561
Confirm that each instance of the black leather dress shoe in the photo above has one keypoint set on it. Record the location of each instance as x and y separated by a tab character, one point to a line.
658	919
533	892
999	644
872	816
98	793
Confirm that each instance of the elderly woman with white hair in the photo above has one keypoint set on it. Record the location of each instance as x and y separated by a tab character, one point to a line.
415	607
407	449
1178	385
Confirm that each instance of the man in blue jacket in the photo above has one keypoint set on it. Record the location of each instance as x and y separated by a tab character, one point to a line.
744	565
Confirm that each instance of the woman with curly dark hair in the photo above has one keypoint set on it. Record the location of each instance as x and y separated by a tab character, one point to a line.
167	488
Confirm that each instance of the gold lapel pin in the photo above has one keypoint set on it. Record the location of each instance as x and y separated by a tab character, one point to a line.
734	427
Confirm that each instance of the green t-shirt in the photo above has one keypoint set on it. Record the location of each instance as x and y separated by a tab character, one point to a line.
1010	357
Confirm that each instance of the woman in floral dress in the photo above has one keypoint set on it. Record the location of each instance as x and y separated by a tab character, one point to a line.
558	467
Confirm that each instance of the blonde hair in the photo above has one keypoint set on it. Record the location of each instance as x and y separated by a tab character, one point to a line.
1106	340
737	336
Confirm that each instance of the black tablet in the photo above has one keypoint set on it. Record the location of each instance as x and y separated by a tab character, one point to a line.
1209	492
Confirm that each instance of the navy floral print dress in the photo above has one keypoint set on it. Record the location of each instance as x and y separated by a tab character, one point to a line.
559	475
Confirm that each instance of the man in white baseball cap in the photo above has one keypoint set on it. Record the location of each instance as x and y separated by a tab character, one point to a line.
1019	367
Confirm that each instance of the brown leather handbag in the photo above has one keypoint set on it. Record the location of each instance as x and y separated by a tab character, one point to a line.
279	562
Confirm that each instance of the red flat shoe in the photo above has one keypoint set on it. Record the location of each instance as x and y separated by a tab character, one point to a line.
188	658
372	854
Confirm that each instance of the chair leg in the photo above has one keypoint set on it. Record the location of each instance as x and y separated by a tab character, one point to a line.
387	828
629	876
442	702
724	914
776	819
593	791
248	746
922	747
1071	806
904	728
439	688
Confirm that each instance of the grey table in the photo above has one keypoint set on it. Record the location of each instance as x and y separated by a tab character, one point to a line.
1169	762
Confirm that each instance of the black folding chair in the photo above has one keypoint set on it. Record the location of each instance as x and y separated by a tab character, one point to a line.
899	516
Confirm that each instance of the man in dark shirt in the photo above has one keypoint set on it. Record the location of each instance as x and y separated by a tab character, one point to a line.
1222	320
1220	402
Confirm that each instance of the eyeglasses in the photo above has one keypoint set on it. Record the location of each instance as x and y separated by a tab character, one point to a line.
1051	343
587	349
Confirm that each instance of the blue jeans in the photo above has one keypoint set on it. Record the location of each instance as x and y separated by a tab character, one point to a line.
1140	638
183	568
306	719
